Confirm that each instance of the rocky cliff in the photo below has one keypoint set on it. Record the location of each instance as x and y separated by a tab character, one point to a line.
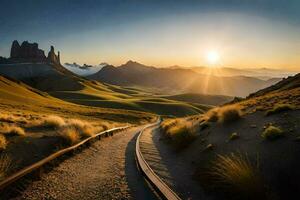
30	52
27	51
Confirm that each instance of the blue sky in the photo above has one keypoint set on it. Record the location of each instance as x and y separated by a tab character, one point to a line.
246	33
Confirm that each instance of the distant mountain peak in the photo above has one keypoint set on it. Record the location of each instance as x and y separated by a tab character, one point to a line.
130	62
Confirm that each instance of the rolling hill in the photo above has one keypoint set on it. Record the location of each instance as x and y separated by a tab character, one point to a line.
178	80
17	97
52	78
261	73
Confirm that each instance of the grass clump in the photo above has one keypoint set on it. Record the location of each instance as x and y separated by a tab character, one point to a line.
51	121
224	114
236	174
280	108
229	113
212	115
70	135
3	142
12	130
85	129
272	133
180	132
5	166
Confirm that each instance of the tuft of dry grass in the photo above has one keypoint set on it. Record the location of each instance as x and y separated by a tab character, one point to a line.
280	108
272	133
11	118
51	121
224	114
85	129
12	130
5	166
70	135
236	174
3	142
212	115
229	113
180	132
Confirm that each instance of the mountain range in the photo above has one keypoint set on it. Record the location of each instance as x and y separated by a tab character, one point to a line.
179	80
85	69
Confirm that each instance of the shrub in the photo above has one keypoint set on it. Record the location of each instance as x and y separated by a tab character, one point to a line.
3	142
5	166
235	173
272	133
229	113
70	135
280	108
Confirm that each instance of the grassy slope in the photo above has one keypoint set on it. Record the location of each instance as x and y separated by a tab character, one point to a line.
200	98
65	85
110	96
280	176
18	97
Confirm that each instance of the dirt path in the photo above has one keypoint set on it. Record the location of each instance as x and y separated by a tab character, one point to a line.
106	170
169	166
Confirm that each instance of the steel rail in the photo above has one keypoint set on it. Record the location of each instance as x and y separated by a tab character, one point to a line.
38	165
152	177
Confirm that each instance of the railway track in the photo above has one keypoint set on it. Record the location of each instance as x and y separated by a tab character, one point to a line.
158	184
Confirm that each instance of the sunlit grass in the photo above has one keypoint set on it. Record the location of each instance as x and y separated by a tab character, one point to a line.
272	133
224	114
70	135
236	174
12	130
229	113
180	132
5	166
280	108
3	142
85	129
51	121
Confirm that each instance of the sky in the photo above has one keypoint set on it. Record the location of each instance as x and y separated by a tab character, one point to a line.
244	33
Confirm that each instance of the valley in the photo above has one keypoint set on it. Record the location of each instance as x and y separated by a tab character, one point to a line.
149	100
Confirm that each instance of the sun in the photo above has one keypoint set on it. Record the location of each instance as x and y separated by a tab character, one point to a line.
213	57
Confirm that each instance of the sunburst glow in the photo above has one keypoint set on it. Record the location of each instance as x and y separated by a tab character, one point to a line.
213	57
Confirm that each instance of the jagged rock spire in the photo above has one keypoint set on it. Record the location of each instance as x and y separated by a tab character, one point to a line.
26	52
30	52
15	48
52	57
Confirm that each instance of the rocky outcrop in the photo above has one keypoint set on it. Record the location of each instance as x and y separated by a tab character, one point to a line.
30	52
52	57
27	52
